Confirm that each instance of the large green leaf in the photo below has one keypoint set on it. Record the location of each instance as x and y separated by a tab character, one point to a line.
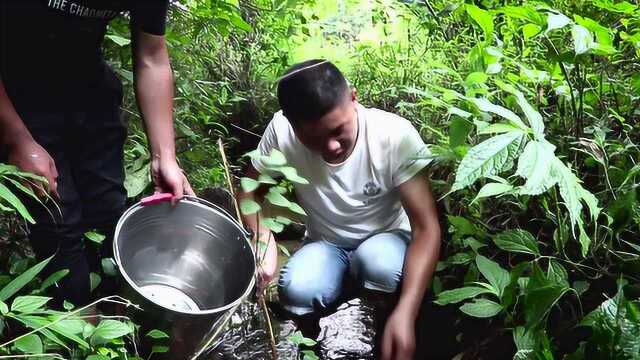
457	295
36	322
483	18
248	184
556	21
8	196
624	7
248	207
108	330
573	193
582	39
18	283
490	157
541	294
30	344
517	240
532	115
535	166
276	198
291	174
523	12
486	106
492	189
28	304
481	308
136	181
498	277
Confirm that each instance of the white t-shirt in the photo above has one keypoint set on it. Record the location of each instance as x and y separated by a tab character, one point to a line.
350	201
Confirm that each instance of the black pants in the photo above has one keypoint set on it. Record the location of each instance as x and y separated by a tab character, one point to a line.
87	148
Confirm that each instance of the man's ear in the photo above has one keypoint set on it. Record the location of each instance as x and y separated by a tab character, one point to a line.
354	94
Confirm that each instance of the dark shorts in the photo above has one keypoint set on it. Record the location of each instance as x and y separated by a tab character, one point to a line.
87	148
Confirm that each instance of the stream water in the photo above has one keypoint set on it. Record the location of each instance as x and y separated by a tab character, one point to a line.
346	334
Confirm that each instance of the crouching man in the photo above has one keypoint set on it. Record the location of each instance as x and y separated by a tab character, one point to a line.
372	224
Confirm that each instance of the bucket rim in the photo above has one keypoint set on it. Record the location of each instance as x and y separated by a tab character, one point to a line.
205	205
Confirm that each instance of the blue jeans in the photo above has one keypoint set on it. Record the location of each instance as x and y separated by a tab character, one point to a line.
321	275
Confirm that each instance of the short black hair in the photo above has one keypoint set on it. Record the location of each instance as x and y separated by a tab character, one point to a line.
311	89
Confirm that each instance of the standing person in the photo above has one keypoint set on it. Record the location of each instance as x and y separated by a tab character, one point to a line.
372	224
60	118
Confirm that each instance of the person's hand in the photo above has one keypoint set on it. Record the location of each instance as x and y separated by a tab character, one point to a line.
267	254
30	157
168	177
399	339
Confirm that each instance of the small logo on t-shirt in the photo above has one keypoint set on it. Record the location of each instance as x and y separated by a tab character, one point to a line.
371	189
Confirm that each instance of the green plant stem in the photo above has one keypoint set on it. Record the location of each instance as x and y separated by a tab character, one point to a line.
566	78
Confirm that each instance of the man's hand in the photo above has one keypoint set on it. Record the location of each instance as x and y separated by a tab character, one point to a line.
398	339
267	254
29	156
168	177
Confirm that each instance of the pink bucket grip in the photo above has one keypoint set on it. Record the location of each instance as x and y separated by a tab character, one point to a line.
156	198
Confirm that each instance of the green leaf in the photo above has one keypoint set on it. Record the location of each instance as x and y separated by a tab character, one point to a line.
276	198
284	250
275	158
573	193
459	129
119	40
94	281
462	225
157	334
248	207
266	179
492	189
540	296
108	267
36	322
603	34
481	308
248	184
8	196
483	18
535	165
556	21
4	309
490	157
30	344
98	357
485	105
272	224
108	330
457	295
283	220
137	181
291	174
53	278
530	30
533	117
298	339
28	304
498	128
523	12
624	7
68	306
518	240
158	349
95	237
498	277
582	39
297	208
22	280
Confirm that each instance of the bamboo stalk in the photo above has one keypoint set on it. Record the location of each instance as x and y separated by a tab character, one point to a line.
263	304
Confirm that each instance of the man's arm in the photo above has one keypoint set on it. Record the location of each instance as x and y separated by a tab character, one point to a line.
24	151
154	93
420	262
266	248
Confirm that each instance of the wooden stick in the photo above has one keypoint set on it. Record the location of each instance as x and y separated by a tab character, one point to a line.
229	183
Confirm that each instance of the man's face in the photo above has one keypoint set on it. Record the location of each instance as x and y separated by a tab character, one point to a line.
333	136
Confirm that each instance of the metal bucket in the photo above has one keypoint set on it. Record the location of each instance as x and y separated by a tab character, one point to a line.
186	265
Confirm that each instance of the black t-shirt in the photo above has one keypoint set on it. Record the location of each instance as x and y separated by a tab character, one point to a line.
50	50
